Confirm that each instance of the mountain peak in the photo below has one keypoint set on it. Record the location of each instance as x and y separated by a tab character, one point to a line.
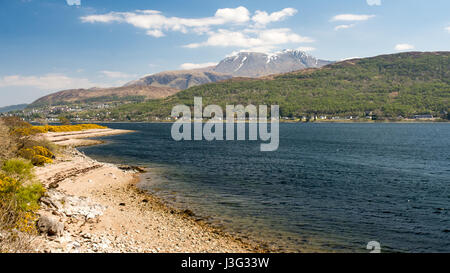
257	64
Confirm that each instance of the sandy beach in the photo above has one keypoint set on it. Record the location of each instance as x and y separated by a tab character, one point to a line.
92	206
82	138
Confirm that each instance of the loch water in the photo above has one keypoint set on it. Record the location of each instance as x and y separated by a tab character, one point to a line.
329	187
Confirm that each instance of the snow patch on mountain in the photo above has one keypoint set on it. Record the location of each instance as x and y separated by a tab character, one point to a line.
255	64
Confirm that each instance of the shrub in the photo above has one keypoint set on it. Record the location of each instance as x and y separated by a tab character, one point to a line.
8	146
39	160
38	155
19	132
40	141
15	122
26	222
67	128
26	131
20	169
8	185
42	151
19	197
16	242
24	198
27	153
28	196
18	205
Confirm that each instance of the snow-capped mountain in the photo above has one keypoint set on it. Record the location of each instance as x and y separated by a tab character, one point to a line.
252	64
243	64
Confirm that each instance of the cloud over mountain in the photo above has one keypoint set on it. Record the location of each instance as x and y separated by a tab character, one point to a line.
265	39
228	27
263	18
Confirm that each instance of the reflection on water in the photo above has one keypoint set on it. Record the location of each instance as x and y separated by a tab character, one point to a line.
329	187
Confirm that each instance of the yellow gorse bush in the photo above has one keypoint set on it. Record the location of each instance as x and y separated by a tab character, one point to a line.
19	169
38	155
26	222
39	160
26	131
19	192
67	128
39	150
21	201
8	184
33	130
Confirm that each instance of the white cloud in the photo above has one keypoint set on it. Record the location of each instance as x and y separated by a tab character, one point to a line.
344	26
116	74
403	47
349	18
228	27
102	18
46	82
263	18
352	17
267	50
237	15
448	29
73	2
156	23
155	33
374	2
252	38
188	66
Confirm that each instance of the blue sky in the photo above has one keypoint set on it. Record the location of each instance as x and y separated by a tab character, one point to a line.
50	45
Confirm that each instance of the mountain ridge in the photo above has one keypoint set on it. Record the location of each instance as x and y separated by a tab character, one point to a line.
16	107
103	94
180	79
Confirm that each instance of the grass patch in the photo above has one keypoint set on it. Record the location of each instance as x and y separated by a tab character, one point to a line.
19	169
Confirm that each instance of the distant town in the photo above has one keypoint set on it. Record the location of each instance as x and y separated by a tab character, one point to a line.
103	113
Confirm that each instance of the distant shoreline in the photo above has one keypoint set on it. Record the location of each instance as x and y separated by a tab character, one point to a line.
288	121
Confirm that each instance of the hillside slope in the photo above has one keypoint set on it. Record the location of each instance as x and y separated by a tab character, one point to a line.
10	108
182	79
390	85
103	95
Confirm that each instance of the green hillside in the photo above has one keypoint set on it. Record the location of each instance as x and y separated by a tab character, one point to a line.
389	85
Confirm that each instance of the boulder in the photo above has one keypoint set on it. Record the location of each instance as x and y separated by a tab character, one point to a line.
50	224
